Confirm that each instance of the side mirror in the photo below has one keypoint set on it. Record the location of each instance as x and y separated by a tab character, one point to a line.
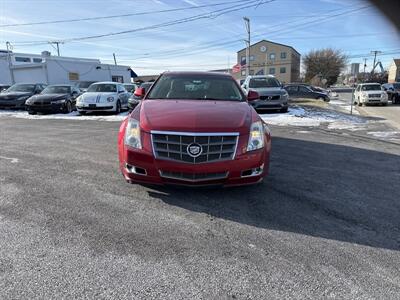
252	95
140	92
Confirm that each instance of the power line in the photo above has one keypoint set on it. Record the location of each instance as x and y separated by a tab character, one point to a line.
123	15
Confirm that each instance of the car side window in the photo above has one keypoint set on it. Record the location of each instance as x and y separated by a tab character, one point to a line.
291	89
304	89
121	88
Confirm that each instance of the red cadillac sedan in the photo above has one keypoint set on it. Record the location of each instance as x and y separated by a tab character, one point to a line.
194	128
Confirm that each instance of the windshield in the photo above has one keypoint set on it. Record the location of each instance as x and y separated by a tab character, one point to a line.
146	85
103	88
22	88
85	84
129	87
59	89
263	82
198	87
371	87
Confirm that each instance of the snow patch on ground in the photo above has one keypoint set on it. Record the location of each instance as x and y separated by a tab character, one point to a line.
71	116
385	134
311	117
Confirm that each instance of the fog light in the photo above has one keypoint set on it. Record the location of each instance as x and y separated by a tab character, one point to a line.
253	172
135	170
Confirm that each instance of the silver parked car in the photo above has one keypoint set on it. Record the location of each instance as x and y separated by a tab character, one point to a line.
272	94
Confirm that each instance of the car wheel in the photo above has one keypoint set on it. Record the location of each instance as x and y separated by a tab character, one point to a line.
81	113
68	107
32	112
284	110
321	98
118	107
359	102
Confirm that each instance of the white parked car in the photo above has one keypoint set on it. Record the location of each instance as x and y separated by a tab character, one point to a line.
103	96
370	93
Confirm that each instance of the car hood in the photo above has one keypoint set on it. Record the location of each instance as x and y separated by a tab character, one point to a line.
13	95
195	116
48	97
96	97
269	91
374	92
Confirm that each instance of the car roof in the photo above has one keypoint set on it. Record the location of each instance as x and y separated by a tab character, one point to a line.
61	84
106	82
369	83
194	73
261	76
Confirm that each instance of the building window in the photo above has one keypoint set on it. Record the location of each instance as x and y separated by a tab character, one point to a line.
119	79
73	76
243	60
272	56
243	72
251	72
37	60
272	71
22	59
283	55
252	57
282	70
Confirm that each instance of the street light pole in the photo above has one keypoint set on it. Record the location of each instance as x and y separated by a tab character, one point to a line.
9	47
247	24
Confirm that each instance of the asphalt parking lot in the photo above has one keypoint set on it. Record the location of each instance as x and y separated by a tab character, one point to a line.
325	223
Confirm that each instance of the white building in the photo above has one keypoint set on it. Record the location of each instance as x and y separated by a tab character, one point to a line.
46	68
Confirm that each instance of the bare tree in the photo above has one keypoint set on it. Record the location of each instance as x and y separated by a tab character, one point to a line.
324	64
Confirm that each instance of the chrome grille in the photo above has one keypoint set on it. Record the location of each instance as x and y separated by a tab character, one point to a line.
274	97
374	95
174	146
193	177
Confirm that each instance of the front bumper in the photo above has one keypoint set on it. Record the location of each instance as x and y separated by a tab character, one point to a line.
12	104
142	167
46	108
269	104
374	100
96	107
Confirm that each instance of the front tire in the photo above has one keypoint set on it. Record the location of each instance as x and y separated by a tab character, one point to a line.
284	110
32	112
118	107
68	108
81	113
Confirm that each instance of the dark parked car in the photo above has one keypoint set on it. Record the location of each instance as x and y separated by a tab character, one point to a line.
135	99
83	85
393	91
305	92
53	99
16	95
3	87
130	87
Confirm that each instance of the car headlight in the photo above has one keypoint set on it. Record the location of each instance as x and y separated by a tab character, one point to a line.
29	101
110	99
132	134
79	99
59	101
364	95
285	95
256	137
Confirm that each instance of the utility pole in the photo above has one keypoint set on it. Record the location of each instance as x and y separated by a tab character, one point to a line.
247	24
375	52
365	64
9	48
57	43
115	60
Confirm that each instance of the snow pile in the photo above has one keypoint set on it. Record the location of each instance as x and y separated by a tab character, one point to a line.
311	117
71	116
385	134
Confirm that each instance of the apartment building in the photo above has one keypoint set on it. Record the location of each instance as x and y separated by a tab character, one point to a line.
267	57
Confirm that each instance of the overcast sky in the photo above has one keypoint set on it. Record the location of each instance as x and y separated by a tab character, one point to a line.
203	44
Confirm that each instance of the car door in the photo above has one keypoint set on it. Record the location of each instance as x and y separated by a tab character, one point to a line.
292	90
123	95
306	92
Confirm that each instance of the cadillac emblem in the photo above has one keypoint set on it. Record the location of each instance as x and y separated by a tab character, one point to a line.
194	150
